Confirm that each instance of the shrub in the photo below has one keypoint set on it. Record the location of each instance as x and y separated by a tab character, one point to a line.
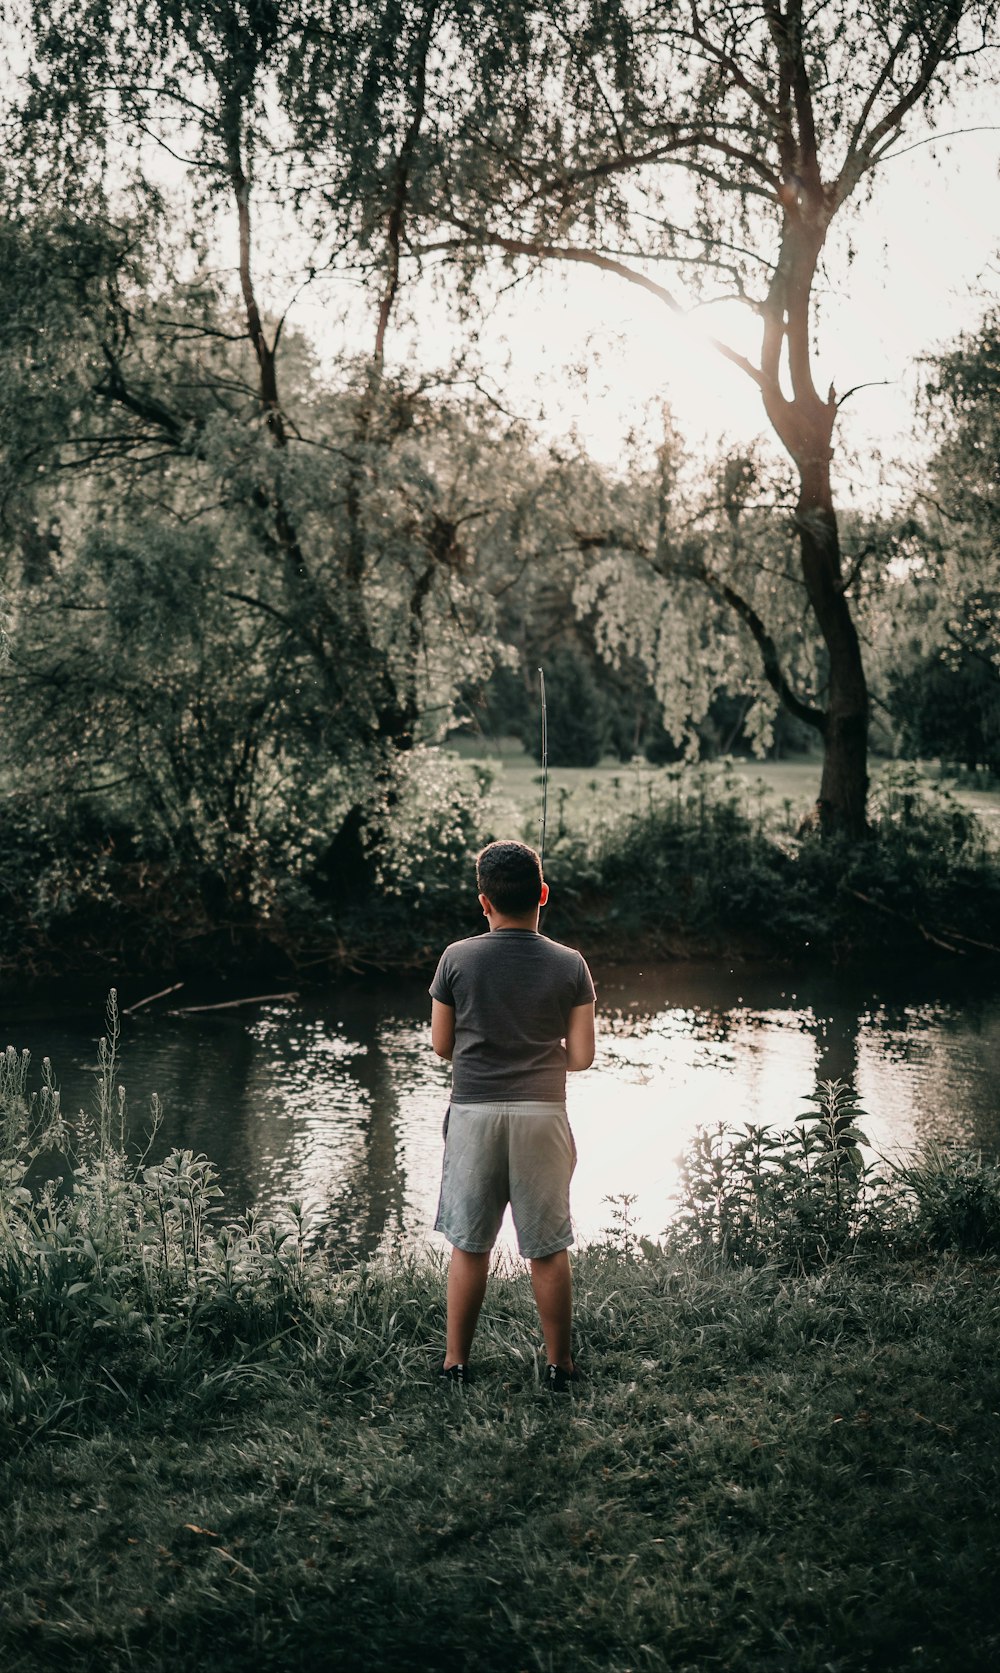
760	1195
683	853
953	1197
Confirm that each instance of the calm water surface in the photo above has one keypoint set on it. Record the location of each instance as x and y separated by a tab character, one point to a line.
337	1098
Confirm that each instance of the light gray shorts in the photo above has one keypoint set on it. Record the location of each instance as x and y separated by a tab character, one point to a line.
495	1154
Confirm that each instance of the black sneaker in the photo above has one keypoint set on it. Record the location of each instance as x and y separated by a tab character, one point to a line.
558	1381
456	1376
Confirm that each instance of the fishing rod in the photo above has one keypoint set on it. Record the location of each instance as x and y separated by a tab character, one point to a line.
545	766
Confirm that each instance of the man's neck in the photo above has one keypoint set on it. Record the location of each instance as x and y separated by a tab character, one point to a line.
497	921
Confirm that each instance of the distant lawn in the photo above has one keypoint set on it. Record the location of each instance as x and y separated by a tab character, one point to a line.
782	791
520	777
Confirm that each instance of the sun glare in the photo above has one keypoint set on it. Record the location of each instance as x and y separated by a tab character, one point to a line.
586	352
591	353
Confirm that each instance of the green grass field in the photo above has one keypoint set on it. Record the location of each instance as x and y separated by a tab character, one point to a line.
780	791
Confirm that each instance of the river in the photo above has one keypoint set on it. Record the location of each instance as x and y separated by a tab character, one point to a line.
336	1098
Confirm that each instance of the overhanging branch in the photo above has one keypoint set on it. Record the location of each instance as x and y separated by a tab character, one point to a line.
770	659
543	251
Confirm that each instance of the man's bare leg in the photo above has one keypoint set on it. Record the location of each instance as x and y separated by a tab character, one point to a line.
467	1277
552	1283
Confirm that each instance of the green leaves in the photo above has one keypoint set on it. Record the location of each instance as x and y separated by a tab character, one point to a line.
763	1195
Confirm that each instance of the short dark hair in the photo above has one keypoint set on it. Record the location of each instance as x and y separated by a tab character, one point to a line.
509	874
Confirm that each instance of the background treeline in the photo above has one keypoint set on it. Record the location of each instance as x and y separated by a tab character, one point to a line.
254	578
215	746
231	663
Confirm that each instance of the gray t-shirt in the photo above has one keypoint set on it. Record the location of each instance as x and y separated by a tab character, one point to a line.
512	990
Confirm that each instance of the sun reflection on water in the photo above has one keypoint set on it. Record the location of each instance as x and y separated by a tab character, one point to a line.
338	1100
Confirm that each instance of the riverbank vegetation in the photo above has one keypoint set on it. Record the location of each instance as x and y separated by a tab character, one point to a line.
216	1446
644	862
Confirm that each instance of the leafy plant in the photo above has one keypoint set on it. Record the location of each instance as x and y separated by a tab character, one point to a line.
758	1194
620	1237
127	1261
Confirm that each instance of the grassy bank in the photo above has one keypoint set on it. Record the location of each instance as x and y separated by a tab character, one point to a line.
762	1472
216	1449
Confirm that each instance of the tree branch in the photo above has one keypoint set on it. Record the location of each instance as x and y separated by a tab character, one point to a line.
874	383
730	66
863	154
691	139
401	183
856	567
113	387
770	660
542	251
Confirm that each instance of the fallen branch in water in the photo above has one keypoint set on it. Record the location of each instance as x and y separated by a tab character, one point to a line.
230	1004
928	935
987	946
127	1010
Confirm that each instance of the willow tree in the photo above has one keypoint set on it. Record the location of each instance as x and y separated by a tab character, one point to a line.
939	628
960	499
182	109
684	145
242	579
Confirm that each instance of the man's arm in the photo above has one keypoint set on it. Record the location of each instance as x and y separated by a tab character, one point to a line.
580	1041
443	1028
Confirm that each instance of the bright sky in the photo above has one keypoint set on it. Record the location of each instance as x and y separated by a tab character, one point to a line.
928	255
928	258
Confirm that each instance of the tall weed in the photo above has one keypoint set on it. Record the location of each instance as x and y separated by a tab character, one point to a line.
759	1194
122	1263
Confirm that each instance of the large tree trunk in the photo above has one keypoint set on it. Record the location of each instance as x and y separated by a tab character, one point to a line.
844	784
804	424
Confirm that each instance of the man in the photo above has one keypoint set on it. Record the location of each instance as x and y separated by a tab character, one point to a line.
512	1011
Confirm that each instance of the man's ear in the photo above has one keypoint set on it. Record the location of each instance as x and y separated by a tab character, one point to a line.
487	905
543	897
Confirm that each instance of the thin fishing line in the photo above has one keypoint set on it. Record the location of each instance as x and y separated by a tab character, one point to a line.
545	765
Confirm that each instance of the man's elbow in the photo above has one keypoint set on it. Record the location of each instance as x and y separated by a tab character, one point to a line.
579	1057
446	1052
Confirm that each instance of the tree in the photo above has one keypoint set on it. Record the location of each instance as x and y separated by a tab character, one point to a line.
940	628
292	545
166	675
110	90
684	555
720	142
961	500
